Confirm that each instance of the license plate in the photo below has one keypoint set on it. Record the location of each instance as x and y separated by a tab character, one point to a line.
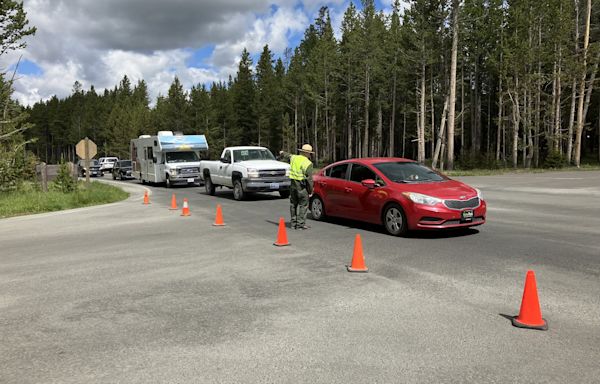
191	180
274	185
466	215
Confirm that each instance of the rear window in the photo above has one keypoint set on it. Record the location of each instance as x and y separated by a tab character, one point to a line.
337	171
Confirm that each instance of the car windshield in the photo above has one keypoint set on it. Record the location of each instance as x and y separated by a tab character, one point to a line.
93	163
252	154
125	163
181	157
408	172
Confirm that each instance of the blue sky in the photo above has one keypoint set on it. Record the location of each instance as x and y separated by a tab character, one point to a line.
199	41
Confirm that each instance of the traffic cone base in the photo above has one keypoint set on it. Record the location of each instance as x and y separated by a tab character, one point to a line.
282	239
542	327
173	203
530	315
219	217
185	210
358	259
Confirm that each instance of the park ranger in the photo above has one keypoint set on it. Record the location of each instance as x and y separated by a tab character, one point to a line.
301	185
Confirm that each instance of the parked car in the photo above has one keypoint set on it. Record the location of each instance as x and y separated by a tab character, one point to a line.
107	163
398	193
122	169
94	168
246	170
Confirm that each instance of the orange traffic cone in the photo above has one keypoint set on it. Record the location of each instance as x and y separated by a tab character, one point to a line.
358	259
146	198
530	315
173	203
186	210
282	239
219	218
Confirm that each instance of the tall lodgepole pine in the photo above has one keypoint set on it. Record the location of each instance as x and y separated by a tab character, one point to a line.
452	101
579	130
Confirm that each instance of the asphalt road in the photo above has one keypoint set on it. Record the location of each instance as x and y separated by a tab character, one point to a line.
127	293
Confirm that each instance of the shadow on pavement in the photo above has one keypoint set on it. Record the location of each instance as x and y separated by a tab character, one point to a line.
433	235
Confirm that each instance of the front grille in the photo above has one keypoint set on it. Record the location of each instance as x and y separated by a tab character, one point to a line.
271	173
185	171
462	204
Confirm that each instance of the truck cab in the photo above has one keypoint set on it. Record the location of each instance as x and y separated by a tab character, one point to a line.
246	169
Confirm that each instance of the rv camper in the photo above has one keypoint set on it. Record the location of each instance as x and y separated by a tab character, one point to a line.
168	158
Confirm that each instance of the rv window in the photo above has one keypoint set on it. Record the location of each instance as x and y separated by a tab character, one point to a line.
181	157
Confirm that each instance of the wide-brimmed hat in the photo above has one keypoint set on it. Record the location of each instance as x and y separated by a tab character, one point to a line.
306	148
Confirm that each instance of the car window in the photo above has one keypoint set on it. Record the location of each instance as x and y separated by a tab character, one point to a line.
359	173
409	172
338	171
227	156
252	154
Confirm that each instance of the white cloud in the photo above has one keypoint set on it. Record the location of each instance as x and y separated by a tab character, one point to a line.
273	30
98	42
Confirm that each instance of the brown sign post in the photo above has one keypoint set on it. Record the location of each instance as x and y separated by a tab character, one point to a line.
86	149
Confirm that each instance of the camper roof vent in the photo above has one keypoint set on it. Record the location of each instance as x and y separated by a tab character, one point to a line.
165	133
144	136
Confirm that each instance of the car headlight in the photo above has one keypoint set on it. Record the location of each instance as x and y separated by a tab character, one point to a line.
173	172
479	193
419	198
252	172
287	172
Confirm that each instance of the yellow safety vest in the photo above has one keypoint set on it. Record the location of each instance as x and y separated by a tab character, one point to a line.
299	164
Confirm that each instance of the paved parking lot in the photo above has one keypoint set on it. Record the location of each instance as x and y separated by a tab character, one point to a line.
138	294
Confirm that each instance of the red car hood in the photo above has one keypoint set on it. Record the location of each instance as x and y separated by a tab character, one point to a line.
450	189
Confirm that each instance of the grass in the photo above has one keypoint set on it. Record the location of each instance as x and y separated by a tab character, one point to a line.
502	171
29	199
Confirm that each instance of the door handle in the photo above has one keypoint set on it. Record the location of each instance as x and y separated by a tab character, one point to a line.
348	189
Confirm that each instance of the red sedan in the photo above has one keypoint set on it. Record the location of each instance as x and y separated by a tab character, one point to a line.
401	194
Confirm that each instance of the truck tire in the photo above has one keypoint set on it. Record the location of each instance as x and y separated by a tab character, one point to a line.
168	182
284	194
209	186
238	190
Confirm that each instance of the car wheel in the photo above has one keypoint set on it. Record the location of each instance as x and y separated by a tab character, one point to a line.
317	209
238	191
394	220
209	186
285	194
168	182
114	176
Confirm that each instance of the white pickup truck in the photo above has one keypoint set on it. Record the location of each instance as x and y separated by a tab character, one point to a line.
246	170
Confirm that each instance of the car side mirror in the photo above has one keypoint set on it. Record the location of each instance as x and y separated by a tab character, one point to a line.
369	183
224	160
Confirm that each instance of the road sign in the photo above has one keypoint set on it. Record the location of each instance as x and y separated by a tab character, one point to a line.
86	149
80	148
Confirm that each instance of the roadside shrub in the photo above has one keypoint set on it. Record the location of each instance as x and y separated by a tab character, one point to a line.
64	181
554	159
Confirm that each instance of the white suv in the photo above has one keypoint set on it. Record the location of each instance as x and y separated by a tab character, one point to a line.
107	164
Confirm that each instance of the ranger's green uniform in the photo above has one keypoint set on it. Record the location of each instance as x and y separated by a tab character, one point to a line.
300	189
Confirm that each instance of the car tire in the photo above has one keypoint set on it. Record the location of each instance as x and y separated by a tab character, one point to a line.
238	190
284	194
168	182
317	208
209	186
114	176
394	220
